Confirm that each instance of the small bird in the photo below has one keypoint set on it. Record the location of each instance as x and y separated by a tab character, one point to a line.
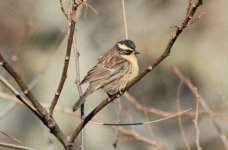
115	68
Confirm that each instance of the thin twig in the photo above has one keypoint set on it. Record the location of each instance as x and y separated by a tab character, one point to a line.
189	7
117	131
153	110
46	105
136	136
23	87
77	82
198	99
179	117
12	138
62	8
125	20
142	123
7	110
42	114
72	23
13	146
203	104
151	67
197	18
89	6
196	121
17	94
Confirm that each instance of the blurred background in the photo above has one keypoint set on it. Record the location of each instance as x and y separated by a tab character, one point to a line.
32	39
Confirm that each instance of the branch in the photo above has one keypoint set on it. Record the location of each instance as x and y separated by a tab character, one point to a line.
203	104
156	111
44	117
142	123
12	138
72	23
46	105
180	119
62	9
22	85
151	67
13	146
136	136
17	94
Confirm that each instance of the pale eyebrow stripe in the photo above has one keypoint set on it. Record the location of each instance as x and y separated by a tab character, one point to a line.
124	47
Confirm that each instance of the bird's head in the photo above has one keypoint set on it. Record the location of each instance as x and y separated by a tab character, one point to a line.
126	49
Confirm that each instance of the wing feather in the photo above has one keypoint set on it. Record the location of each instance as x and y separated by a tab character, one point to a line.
104	70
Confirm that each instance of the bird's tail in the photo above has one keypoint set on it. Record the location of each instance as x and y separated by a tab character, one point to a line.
81	100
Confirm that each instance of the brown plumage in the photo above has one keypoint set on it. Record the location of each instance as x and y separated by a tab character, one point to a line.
114	70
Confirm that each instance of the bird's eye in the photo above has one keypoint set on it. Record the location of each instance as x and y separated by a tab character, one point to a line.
127	52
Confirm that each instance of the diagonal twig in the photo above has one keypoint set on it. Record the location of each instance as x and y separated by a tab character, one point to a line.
17	94
12	138
138	137
14	146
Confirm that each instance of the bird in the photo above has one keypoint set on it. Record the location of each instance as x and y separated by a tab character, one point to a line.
114	70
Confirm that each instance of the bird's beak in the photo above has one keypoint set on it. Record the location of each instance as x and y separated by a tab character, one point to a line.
137	52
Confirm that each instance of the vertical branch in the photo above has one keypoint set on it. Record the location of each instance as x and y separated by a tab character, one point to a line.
72	23
77	82
179	117
198	99
125	20
196	120
117	131
7	145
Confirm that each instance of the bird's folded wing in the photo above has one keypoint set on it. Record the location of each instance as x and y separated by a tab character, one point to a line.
101	71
